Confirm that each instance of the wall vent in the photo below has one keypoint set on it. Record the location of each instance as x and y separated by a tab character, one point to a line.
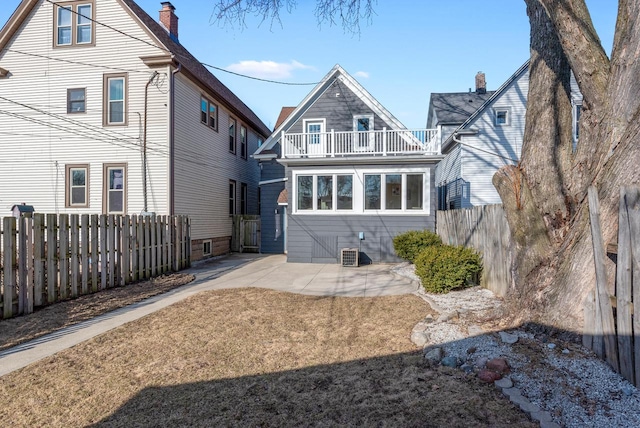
349	257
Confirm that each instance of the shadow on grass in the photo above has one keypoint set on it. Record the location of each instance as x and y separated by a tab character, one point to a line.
394	390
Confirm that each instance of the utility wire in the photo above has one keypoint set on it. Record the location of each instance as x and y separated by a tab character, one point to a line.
169	51
77	62
257	78
112	28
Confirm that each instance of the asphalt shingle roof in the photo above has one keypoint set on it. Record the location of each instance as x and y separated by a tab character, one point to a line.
456	107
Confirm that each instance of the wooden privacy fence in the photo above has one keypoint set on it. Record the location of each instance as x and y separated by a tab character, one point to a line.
486	230
246	233
612	327
47	258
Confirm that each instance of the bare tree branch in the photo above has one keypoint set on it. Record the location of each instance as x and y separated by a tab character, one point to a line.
347	13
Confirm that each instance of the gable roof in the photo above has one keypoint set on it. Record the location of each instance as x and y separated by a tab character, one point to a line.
284	113
336	73
177	54
453	108
496	94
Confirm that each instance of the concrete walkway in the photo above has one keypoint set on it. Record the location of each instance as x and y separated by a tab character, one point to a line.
235	271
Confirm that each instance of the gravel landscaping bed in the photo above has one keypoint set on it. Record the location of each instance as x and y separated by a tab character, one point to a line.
558	381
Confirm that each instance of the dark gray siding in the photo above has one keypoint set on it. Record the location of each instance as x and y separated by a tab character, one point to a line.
338	110
319	238
271	215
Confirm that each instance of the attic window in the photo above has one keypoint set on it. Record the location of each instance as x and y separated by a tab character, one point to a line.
74	23
502	116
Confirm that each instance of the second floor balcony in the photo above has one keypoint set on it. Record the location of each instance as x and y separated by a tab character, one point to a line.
383	142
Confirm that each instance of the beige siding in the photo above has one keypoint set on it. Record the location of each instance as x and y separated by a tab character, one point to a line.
204	165
38	144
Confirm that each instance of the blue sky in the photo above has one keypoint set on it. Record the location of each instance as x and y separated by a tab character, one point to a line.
410	49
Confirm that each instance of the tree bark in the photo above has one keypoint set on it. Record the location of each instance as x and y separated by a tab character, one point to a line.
553	277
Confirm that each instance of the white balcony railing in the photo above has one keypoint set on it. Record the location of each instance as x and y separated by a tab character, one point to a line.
361	143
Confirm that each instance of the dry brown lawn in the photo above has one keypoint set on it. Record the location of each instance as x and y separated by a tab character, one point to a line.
252	357
14	331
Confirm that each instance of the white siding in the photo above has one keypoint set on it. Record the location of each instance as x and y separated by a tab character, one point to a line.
494	146
204	165
37	146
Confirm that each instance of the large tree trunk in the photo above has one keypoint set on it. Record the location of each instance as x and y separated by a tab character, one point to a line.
545	195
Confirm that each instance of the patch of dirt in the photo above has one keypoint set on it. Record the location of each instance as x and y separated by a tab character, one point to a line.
255	357
14	331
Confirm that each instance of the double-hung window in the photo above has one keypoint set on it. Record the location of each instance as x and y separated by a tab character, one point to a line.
243	142
77	188
232	135
208	113
232	197
115	188
115	99
74	23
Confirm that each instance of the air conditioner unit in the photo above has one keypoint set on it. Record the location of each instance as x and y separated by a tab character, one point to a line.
349	257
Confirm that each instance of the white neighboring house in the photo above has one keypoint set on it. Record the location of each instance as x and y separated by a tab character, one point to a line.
482	131
102	110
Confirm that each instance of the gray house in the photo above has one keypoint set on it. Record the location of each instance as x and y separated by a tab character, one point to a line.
341	172
481	132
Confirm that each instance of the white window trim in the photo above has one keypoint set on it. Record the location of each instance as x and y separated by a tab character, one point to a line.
574	120
371	140
123	101
207	253
496	110
358	191
323	128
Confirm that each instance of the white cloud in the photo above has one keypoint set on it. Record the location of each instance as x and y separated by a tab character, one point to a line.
268	69
362	74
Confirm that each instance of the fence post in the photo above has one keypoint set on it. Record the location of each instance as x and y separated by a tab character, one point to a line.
27	265
127	249
104	252
9	262
84	249
64	256
119	281
52	258
602	296
38	260
153	230
75	254
95	254
134	248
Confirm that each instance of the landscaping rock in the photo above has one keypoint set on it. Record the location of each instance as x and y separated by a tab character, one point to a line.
434	355
541	416
551	345
449	362
467	368
504	383
508	338
419	338
488	376
498	365
481	362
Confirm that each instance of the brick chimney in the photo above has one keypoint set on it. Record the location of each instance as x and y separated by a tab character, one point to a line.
169	20
481	83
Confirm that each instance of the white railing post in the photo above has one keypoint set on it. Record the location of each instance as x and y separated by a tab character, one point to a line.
333	143
283	144
384	141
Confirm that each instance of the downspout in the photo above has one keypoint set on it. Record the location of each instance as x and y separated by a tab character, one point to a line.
144	142
172	139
